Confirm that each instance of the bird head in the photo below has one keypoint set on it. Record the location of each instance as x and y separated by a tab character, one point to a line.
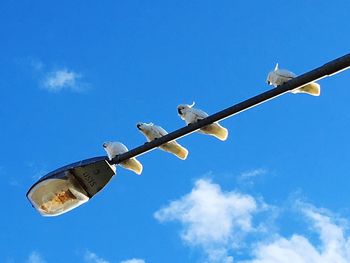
142	126
107	148
106	144
268	80
111	145
139	125
182	107
271	76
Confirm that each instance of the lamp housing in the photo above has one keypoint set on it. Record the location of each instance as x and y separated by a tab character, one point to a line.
70	186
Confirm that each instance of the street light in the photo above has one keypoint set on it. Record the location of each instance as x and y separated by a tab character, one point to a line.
72	185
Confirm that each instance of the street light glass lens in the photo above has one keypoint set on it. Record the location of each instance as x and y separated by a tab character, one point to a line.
55	196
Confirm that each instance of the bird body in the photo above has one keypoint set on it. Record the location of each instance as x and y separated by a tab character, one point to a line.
153	132
115	148
278	77
192	115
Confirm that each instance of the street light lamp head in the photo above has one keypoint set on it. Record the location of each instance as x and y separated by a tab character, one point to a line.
58	195
70	186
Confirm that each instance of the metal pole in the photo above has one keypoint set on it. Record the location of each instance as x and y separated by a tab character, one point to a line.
328	69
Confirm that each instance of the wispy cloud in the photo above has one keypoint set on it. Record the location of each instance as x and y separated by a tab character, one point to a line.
253	173
62	79
247	178
56	79
212	219
134	260
35	257
91	257
37	170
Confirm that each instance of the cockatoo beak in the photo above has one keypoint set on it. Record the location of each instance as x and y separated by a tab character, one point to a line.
179	111
104	145
138	126
268	82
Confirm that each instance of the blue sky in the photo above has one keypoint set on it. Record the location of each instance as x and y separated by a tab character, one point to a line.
76	74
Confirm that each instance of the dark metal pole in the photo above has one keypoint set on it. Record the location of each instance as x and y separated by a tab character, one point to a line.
328	69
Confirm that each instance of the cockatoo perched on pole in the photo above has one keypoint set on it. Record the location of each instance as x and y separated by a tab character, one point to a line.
280	76
115	148
192	115
153	132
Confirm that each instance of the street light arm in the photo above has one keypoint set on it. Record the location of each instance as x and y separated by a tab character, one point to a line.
328	69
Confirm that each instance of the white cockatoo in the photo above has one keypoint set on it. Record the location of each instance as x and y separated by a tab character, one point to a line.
192	115
115	148
153	132
280	76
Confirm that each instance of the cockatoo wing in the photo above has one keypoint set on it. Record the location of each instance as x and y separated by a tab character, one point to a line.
132	164
192	115
159	131
115	148
171	147
199	113
283	73
150	132
280	76
215	130
176	149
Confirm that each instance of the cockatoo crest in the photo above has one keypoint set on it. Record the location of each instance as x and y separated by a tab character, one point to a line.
193	103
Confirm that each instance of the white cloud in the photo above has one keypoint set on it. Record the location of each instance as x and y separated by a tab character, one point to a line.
55	79
35	257
134	260
247	178
216	221
334	245
253	173
58	80
91	257
212	219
